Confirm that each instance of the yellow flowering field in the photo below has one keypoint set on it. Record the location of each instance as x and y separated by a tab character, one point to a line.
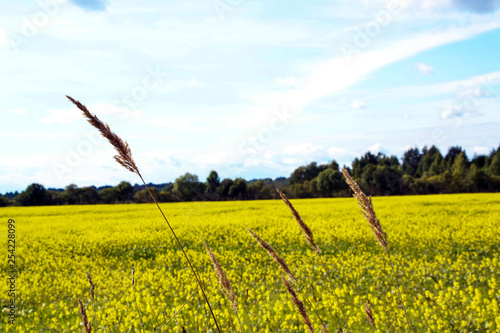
445	248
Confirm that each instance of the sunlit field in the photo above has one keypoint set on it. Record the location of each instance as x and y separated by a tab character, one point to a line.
446	251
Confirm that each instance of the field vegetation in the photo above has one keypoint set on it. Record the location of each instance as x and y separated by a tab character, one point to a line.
445	249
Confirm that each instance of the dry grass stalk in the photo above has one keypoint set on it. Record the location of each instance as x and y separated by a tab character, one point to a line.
308	235
92	287
87	327
281	262
368	212
124	156
369	314
273	255
125	159
299	305
222	277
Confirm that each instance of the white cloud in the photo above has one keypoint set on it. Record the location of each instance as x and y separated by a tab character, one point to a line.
481	150
286	82
473	92
19	111
482	6
291	161
4	40
328	77
357	105
68	116
302	148
451	110
337	152
424	68
376	148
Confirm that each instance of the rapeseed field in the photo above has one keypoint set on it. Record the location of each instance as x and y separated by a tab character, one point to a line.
446	251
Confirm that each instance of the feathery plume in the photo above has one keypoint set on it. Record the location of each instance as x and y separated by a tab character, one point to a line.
368	211
369	314
124	156
86	325
222	277
369	214
308	235
299	305
273	255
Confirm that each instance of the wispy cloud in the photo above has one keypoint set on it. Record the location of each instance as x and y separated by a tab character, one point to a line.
19	111
331	76
357	105
67	116
424	68
482	6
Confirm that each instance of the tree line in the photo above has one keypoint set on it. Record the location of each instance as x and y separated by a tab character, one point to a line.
424	171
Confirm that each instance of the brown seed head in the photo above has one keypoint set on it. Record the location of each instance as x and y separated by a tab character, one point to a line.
308	235
92	287
273	255
87	327
124	156
222	277
369	314
299	305
368	211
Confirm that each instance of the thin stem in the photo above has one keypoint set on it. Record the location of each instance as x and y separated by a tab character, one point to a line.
310	303
135	299
399	290
95	312
239	321
175	314
185	255
307	299
334	292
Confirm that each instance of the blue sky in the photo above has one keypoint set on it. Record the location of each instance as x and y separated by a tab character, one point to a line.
251	89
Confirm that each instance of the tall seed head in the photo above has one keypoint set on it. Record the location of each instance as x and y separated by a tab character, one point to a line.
368	211
222	277
299	305
273	255
308	235
87	327
124	156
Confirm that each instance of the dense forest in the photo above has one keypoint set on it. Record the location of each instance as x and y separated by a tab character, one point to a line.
417	172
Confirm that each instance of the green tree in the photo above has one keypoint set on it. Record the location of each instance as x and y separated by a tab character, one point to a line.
452	154
143	196
212	185
238	189
71	195
479	180
108	195
411	159
459	172
436	167
34	195
89	195
4	201
494	167
224	187
188	188
308	172
124	192
328	181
